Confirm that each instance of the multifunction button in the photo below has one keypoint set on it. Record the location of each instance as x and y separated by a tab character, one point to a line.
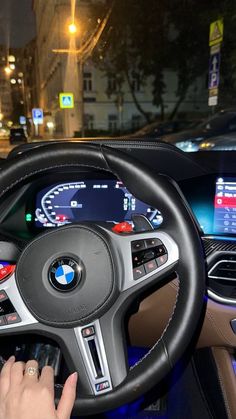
6	270
147	256
88	331
139	272
8	314
13	318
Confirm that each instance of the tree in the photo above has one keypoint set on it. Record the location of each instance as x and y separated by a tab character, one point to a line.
148	38
127	47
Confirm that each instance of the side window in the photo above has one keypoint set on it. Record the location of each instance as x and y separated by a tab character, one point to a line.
111	84
112	123
88	85
88	121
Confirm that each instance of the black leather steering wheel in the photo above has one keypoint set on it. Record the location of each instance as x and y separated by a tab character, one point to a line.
86	318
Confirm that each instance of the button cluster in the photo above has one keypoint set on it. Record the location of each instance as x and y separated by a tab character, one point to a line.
147	256
8	314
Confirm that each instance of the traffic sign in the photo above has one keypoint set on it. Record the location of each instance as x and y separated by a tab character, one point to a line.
66	100
37	115
212	100
214	75
214	70
22	120
214	80
216	32
213	92
214	65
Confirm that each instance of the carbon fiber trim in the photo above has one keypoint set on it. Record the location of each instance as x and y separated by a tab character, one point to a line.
214	245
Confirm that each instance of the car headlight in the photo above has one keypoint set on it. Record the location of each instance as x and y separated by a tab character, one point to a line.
206	146
187	146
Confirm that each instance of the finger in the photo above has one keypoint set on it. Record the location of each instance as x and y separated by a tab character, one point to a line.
47	378
67	399
17	373
31	372
5	376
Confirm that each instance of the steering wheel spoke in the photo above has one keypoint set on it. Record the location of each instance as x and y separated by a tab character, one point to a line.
13	312
104	353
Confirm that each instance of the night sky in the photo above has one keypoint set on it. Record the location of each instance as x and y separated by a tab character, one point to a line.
17	23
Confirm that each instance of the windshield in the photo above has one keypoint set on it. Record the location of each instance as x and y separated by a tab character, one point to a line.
219	122
94	68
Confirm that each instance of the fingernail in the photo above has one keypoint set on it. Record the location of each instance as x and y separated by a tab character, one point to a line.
73	378
12	358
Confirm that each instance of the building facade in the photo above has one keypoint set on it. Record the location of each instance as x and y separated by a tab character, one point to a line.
6	105
60	70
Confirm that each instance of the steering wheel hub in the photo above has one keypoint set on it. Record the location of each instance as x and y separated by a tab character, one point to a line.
66	276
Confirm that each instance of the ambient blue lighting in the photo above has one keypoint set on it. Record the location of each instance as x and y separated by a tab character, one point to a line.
204	215
129	410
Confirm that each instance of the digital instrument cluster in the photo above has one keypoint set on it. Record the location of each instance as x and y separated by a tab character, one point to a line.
89	200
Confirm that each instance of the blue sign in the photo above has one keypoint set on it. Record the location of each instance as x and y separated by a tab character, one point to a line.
22	120
66	100
214	65
37	115
214	80
214	70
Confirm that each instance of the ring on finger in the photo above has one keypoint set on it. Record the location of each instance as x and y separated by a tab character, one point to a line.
31	371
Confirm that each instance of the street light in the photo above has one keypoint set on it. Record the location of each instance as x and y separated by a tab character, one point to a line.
72	28
7	70
72	31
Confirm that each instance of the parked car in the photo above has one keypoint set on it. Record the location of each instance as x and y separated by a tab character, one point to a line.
226	142
190	140
18	135
158	129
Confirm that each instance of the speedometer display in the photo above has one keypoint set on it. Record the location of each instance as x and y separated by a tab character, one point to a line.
90	200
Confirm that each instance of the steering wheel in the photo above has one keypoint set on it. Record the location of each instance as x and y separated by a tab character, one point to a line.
74	284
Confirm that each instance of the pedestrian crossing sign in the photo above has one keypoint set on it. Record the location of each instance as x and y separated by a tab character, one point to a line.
66	100
216	32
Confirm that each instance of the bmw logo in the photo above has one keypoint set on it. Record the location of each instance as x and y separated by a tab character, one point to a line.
65	274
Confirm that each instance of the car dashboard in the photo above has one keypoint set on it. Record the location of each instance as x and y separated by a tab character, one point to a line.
62	198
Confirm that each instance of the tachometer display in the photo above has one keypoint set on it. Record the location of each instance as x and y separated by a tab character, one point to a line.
90	200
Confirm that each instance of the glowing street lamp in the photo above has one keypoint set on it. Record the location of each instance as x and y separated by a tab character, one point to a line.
72	28
7	70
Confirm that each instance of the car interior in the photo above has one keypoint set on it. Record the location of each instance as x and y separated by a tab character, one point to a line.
118	209
149	321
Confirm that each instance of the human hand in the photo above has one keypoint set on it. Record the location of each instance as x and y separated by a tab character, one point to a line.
25	395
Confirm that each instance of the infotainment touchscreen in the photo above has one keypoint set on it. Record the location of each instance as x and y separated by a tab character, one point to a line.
89	200
225	206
